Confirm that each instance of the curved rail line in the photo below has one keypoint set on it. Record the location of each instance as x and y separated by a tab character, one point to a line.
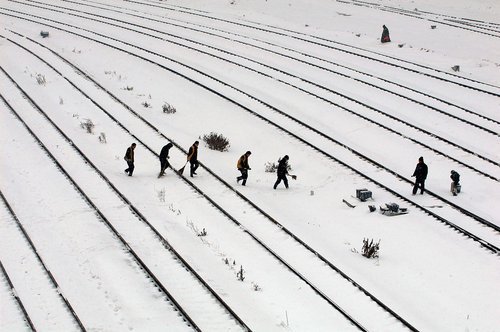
417	15
296	238
127	247
215	204
360	155
327	100
343	50
13	291
312	64
37	254
472	24
270	51
214	92
349	52
253	205
342	107
165	243
194	11
293	58
462	210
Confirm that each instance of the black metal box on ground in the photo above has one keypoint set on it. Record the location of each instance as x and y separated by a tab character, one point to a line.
363	194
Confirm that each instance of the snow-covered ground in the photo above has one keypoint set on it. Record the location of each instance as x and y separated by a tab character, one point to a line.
307	79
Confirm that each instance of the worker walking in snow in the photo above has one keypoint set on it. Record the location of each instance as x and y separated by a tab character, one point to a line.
129	158
163	159
282	172
243	167
192	157
385	35
455	184
420	175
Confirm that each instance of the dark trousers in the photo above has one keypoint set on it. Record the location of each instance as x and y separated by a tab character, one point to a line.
163	166
281	177
244	175
130	168
419	183
194	166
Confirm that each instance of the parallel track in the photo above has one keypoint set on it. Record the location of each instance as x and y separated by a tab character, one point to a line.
247	110
127	247
39	258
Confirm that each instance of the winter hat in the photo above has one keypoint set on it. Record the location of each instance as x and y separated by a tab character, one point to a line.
248	153
286	157
421	159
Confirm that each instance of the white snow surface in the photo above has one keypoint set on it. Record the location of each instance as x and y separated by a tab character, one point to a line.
307	79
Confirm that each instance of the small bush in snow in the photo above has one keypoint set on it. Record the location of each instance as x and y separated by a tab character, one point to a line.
370	249
88	125
203	233
61	101
102	138
216	142
168	109
256	287
40	79
272	167
128	88
161	195
146	104
241	274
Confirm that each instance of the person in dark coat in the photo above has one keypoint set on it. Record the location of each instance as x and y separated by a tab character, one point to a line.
193	157
129	158
455	177
243	167
420	175
282	172
385	35
163	159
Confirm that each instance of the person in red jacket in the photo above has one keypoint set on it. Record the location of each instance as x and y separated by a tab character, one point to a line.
385	35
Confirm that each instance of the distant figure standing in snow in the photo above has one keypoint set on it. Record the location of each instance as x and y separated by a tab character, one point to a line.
282	172
163	159
420	175
193	158
243	167
455	177
385	35
129	158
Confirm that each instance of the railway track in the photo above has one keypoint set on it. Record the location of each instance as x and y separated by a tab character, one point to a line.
18	300
485	28
371	161
320	41
176	306
60	293
336	104
464	211
208	170
299	274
